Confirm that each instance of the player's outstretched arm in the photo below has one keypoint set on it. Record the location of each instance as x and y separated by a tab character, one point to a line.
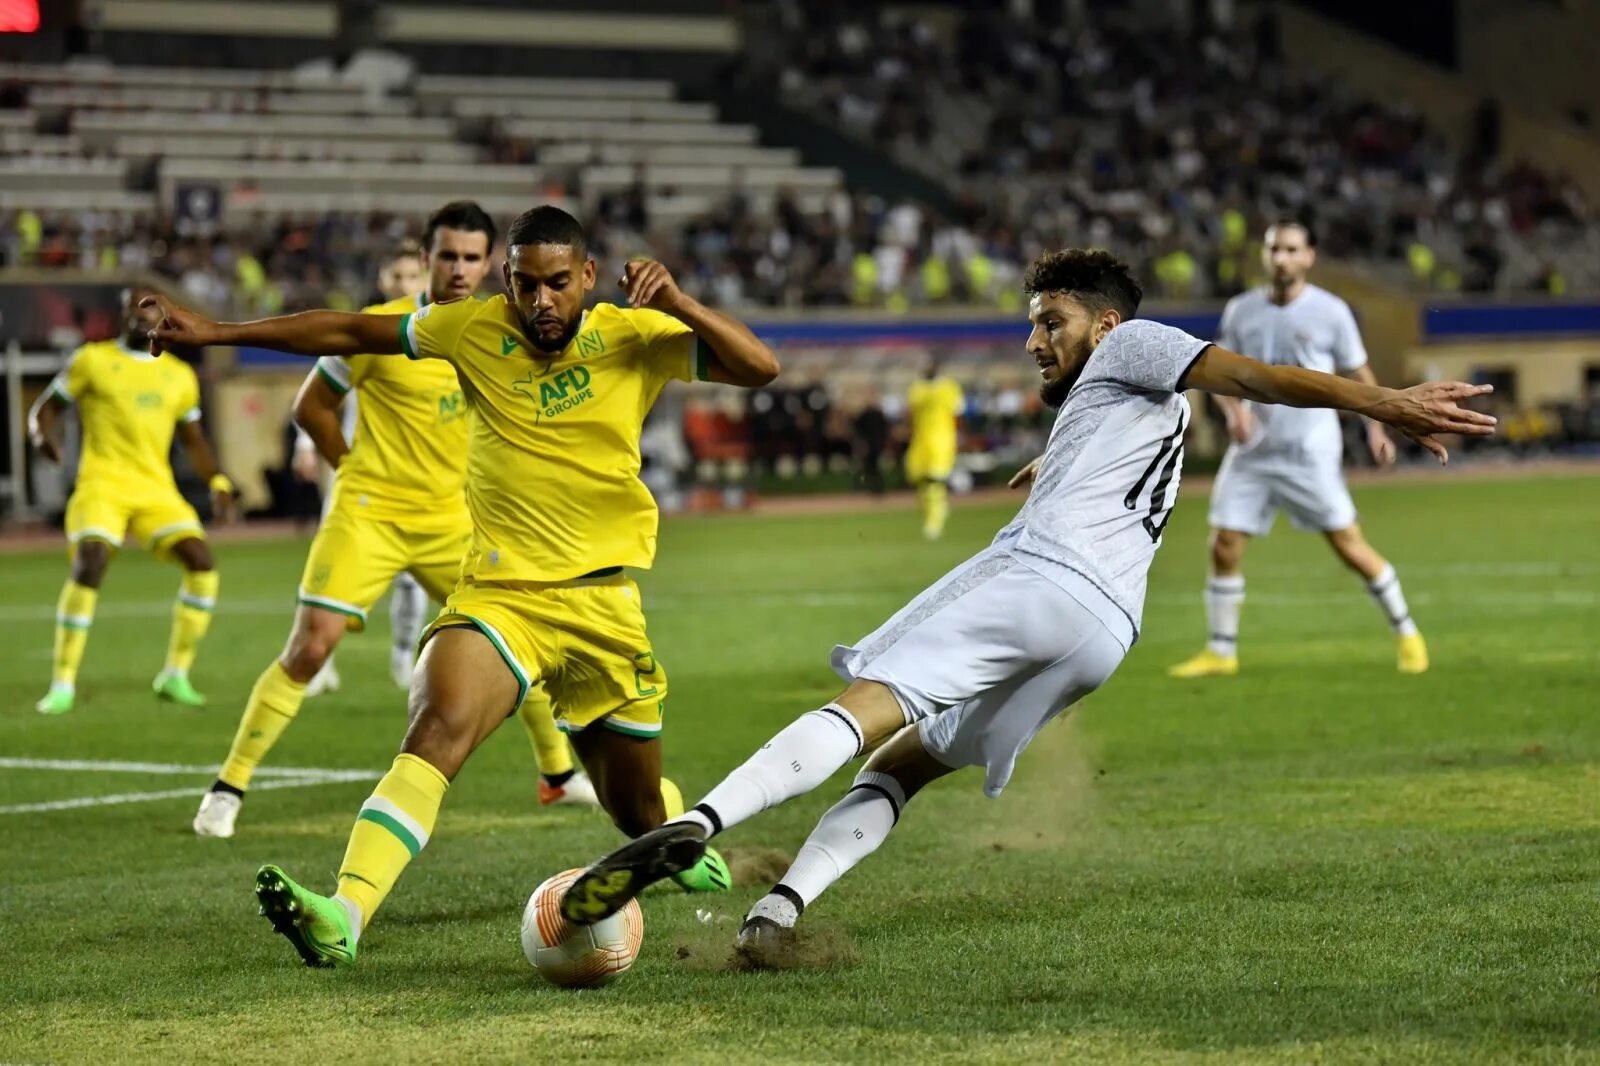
739	357
1419	412
308	333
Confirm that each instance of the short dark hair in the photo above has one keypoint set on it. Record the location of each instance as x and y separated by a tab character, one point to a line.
459	214
410	249
1298	223
548	225
1096	277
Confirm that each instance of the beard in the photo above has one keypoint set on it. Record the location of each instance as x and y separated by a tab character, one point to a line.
1054	393
551	347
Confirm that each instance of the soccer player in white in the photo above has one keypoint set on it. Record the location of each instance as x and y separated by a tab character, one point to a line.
968	672
1287	459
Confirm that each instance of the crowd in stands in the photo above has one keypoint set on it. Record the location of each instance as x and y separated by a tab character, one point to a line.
1173	143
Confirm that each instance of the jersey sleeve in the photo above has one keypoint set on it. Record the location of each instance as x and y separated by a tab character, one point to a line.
1149	356
434	331
72	381
337	371
671	348
1349	353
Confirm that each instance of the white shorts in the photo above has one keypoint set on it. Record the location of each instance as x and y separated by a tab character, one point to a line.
1250	492
983	658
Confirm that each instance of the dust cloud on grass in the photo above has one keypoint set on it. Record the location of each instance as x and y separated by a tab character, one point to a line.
1057	780
815	944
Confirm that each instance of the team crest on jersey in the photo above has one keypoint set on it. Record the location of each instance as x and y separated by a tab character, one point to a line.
591	343
451	407
319	577
559	393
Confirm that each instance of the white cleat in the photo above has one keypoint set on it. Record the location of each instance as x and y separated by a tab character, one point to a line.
326	680
575	791
216	815
401	666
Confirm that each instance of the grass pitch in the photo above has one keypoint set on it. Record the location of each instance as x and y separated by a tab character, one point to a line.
1317	861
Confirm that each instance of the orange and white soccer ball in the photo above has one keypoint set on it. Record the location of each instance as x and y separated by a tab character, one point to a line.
578	956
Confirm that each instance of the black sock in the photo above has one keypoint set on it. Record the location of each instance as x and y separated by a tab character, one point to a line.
222	786
557	780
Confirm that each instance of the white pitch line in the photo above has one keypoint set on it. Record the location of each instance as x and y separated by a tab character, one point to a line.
176	793
115	767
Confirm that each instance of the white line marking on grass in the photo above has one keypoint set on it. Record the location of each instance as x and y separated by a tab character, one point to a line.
176	793
146	609
116	767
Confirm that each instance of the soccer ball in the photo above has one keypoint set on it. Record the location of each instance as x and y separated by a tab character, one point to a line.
578	956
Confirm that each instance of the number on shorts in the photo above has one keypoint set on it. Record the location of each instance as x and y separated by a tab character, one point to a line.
644	665
1168	456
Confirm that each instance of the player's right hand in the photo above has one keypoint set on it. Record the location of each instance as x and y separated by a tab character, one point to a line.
178	326
1026	475
47	447
1241	424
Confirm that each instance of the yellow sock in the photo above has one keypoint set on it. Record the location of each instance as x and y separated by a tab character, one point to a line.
273	703
391	830
935	506
74	615
191	617
549	744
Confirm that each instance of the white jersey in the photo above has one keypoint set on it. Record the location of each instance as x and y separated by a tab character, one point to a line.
1315	330
1109	474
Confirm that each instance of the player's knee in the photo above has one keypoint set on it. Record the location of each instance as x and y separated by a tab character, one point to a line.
309	648
195	554
89	563
439	737
1227	551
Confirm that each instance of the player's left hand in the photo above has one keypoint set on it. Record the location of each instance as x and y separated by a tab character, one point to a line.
1424	410
1026	475
224	508
1381	445
649	284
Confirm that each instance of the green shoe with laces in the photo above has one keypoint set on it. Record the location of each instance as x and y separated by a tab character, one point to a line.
710	874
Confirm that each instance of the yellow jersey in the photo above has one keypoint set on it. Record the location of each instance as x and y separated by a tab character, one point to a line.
408	455
935	404
553	465
129	402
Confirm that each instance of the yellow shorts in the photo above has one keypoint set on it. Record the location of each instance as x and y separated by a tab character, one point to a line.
930	462
157	519
584	639
354	557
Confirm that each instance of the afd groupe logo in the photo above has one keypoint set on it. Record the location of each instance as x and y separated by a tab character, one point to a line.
560	392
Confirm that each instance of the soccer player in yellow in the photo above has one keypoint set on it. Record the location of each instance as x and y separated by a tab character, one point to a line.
399	506
557	396
130	402
935	405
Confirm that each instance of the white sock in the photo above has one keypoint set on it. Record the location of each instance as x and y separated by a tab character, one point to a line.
852	829
1385	588
354	912
797	760
408	605
1224	599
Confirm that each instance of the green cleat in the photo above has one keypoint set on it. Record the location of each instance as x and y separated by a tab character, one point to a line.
710	874
171	685
317	926
56	701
